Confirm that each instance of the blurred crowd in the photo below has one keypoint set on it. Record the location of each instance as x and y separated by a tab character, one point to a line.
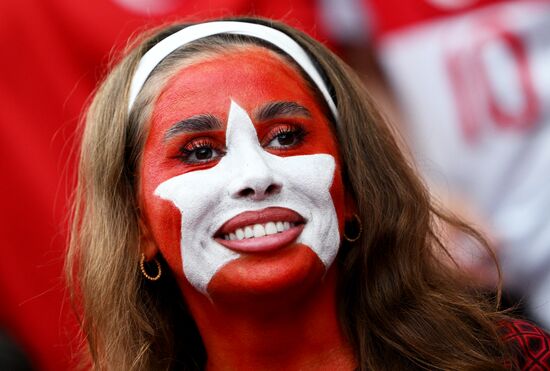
466	83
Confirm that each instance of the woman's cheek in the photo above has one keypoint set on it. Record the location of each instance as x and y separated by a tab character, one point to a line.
166	229
337	192
161	217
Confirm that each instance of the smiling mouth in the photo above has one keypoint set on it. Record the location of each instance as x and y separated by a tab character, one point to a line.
258	231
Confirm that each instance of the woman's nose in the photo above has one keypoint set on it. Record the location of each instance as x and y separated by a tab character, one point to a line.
257	182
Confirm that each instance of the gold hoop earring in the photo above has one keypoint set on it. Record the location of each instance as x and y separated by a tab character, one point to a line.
359	230
142	267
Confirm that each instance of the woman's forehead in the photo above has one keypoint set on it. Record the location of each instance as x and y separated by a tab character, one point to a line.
250	75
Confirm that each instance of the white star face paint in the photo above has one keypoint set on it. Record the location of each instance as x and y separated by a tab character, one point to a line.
209	198
211	168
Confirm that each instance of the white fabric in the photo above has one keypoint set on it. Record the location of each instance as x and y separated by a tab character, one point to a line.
208	198
346	21
198	31
450	76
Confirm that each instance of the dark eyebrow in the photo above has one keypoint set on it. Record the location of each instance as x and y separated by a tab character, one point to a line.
194	124
281	109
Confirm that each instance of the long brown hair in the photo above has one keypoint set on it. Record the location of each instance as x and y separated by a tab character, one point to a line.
400	305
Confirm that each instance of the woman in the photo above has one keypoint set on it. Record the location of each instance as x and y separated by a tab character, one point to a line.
242	205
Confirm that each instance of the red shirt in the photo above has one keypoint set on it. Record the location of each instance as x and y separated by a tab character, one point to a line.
531	342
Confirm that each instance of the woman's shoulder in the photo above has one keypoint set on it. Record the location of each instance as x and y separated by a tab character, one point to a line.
531	343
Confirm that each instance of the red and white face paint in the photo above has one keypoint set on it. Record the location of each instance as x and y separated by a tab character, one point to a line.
262	185
240	183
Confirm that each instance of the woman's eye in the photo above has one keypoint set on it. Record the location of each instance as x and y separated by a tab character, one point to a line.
286	137
199	152
204	153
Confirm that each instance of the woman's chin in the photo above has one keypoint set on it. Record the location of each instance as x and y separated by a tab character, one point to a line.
264	279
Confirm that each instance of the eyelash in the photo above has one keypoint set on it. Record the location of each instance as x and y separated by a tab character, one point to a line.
298	131
188	153
190	149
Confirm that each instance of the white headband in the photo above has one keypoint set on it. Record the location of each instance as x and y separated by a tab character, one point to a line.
191	33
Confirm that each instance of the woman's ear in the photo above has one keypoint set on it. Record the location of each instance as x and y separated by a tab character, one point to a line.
147	243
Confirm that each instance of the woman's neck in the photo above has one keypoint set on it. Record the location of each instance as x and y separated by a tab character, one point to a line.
297	330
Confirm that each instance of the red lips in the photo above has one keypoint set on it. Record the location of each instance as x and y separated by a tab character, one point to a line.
274	227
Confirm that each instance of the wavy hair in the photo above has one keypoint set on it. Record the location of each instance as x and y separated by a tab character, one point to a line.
400	305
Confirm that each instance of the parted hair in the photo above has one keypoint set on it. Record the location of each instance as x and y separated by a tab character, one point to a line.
400	305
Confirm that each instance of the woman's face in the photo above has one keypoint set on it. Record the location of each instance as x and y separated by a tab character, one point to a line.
240	177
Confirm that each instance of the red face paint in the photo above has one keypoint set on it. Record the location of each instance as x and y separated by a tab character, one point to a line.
247	288
253	79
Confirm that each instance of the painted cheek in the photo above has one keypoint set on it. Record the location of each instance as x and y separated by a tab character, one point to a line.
162	218
160	162
323	141
167	236
337	192
326	142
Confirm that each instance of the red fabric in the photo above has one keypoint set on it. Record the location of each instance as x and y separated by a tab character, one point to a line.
532	344
392	15
53	54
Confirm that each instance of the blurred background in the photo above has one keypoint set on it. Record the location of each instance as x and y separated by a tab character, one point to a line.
466	82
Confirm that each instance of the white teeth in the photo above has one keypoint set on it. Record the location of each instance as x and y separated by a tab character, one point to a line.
259	230
270	228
